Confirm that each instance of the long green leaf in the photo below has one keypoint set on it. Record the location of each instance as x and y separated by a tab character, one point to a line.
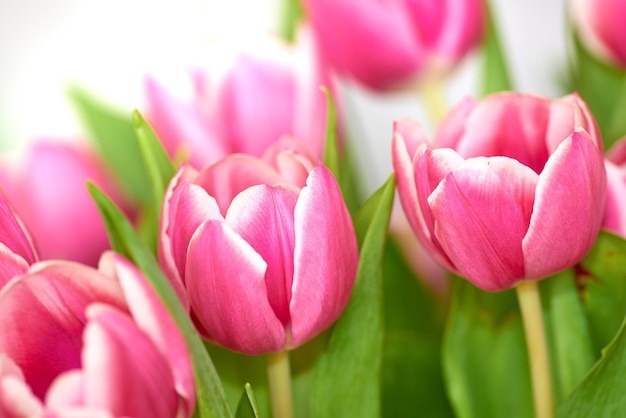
484	355
331	153
605	287
601	395
495	73
572	351
347	377
211	398
114	137
247	404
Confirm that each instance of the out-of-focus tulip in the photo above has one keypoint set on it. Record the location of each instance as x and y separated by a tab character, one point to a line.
269	92
387	44
512	188
601	26
16	248
76	341
262	251
48	189
615	215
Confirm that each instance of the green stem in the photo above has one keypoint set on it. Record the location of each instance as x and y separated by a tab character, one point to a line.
279	377
530	306
434	98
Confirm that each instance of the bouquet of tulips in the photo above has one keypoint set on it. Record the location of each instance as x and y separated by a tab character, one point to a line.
213	254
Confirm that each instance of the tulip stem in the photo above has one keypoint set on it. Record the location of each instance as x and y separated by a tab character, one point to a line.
279	377
530	306
433	94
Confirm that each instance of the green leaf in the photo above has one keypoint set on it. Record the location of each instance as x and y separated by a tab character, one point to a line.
331	153
605	287
159	167
211	398
346	380
247	404
114	137
291	15
603	88
567	328
484	355
601	394
495	73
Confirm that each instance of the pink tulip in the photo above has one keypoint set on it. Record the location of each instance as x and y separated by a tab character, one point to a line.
49	191
512	188
16	248
81	342
262	251
265	94
601	26
386	44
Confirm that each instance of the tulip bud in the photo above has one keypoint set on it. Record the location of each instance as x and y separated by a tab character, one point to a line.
512	188
261	251
384	45
601	26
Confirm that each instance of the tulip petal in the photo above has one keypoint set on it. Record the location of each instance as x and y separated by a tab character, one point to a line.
251	124
152	318
614	215
569	207
17	400
13	233
226	283
66	391
432	167
264	217
228	177
50	303
482	211
11	265
326	257
180	125
124	372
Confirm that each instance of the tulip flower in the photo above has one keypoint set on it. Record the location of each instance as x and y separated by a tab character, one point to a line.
601	26
16	248
615	215
218	116
512	188
261	251
384	45
48	189
100	343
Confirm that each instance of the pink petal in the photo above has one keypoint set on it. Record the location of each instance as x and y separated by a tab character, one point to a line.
11	265
511	125
482	211
17	400
378	48
452	127
50	303
431	168
183	126
462	30
66	391
155	321
251	124
412	134
615	215
326	257
229	176
569	206
123	371
264	217
226	283
165	249
13	233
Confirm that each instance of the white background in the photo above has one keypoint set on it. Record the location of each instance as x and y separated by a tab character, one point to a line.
107	46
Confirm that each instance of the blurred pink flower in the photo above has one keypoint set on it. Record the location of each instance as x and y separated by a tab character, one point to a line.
76	341
512	188
16	248
615	215
49	191
387	44
262	251
265	94
601	26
